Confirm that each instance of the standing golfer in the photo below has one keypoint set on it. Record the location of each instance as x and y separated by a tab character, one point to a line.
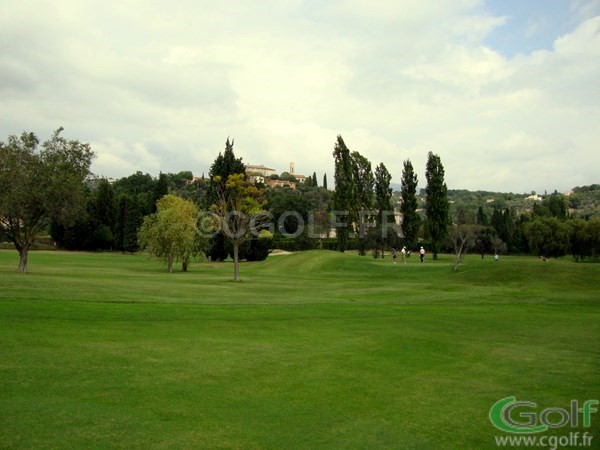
422	253
403	251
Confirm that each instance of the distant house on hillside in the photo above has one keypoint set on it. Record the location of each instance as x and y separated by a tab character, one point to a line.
534	197
281	183
253	169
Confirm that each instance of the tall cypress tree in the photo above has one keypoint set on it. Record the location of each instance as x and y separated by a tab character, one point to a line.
160	189
344	197
314	179
410	219
364	184
482	218
437	208
325	180
385	211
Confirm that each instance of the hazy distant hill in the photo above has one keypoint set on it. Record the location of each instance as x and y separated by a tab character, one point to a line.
582	201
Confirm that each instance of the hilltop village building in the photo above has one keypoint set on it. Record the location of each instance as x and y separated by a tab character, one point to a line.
261	174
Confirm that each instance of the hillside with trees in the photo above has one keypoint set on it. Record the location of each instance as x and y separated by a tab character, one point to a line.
360	212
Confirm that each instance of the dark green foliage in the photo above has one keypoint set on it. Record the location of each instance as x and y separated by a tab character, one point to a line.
161	189
142	187
411	220
314	180
482	218
584	238
437	208
364	184
226	164
129	220
344	200
217	248
256	249
484	239
290	210
556	205
548	236
385	232
325	181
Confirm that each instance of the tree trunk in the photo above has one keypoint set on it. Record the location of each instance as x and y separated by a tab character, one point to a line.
23	251
236	261
170	263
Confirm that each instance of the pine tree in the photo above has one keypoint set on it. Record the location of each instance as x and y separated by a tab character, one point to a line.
437	208
410	218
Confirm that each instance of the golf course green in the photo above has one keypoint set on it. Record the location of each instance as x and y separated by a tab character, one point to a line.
311	350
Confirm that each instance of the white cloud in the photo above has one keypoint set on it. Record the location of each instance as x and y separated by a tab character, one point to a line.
157	86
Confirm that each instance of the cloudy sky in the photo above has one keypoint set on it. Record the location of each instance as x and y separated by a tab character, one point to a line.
507	92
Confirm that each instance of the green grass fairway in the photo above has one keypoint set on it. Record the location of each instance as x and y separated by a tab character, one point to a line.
315	350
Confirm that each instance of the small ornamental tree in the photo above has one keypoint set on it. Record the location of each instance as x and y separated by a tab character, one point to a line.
171	232
239	208
40	185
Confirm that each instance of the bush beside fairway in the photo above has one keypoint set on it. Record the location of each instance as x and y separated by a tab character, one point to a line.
310	350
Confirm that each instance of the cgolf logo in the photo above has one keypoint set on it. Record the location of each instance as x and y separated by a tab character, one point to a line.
521	417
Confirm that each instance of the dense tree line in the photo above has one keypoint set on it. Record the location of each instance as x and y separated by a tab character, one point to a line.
99	215
548	230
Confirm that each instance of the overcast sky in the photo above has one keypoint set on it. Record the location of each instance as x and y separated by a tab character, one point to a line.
506	92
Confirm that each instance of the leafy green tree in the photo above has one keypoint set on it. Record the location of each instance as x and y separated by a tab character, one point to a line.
411	221
141	186
548	236
239	208
290	210
225	164
483	239
437	208
39	185
344	200
584	238
556	204
170	233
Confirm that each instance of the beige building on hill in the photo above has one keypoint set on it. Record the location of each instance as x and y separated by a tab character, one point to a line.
254	169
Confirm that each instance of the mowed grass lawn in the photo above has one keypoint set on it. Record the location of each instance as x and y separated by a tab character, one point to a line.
314	350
